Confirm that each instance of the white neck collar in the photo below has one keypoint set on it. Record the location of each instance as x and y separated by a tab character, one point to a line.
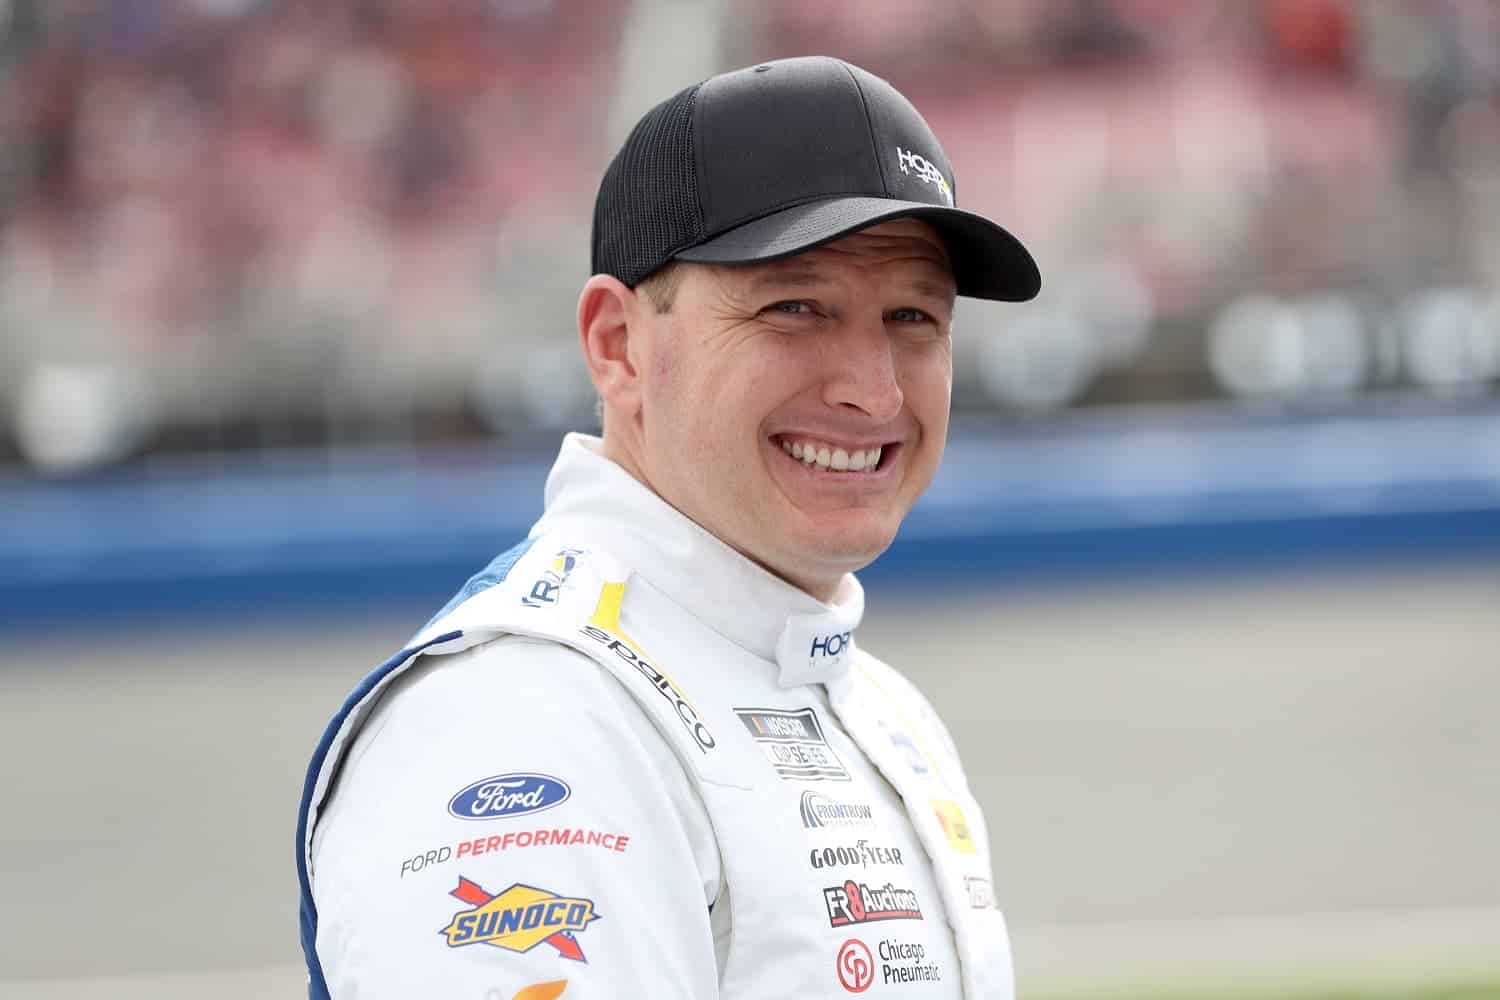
592	500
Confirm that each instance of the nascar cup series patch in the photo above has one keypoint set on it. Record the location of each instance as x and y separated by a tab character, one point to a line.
794	743
519	919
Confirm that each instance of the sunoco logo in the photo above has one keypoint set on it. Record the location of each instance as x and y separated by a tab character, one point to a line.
519	919
819	811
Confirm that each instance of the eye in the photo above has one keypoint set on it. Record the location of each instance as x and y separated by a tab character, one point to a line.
791	307
909	316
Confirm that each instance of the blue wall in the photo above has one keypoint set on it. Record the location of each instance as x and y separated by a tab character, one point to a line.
1103	494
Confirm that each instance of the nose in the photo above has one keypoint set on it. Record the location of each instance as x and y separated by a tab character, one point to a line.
865	374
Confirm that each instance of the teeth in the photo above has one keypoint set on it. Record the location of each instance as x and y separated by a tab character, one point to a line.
827	457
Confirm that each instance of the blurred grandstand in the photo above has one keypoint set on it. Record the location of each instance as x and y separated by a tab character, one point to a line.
286	339
242	224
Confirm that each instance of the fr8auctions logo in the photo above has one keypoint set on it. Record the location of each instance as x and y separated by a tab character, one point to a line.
856	966
857	903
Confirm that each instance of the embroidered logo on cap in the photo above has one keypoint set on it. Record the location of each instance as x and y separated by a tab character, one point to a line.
910	163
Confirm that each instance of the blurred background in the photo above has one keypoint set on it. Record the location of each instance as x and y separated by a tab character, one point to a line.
1208	588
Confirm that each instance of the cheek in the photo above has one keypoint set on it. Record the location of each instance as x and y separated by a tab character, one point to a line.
669	385
928	385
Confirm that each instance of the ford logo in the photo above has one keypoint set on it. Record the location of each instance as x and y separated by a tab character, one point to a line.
509	795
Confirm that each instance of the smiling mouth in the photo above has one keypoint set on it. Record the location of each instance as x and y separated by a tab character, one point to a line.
829	457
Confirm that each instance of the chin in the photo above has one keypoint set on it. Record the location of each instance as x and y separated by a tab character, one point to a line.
850	551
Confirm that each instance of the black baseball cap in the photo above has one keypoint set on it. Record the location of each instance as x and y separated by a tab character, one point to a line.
771	160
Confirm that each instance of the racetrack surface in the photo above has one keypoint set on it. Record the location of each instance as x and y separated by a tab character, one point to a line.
1263	752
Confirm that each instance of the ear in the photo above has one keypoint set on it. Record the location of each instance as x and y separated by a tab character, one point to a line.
607	312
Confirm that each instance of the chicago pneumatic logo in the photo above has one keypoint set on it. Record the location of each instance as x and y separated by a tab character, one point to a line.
818	810
509	795
906	962
856	966
857	903
661	682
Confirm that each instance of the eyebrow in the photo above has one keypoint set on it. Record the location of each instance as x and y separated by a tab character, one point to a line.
946	290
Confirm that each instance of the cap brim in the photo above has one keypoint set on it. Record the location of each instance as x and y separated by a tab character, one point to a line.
988	262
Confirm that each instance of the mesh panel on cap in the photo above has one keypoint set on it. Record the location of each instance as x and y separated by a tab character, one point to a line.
648	205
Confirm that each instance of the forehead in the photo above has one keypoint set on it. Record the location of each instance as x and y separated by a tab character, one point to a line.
902	247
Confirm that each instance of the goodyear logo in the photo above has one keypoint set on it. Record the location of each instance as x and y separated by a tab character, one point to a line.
519	919
955	827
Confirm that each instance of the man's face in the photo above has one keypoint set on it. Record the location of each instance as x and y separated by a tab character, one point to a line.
797	409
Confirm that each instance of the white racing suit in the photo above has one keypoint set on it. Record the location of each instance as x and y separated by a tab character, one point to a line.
628	762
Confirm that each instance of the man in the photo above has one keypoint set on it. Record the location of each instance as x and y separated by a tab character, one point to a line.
641	755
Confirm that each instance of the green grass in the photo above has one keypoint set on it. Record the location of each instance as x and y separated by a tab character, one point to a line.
1436	991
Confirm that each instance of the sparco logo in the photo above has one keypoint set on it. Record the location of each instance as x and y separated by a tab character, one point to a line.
818	810
857	903
929	174
863	854
659	680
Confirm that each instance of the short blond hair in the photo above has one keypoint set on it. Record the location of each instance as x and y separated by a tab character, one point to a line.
660	286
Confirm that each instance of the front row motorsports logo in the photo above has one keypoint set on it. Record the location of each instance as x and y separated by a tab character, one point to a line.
519	919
